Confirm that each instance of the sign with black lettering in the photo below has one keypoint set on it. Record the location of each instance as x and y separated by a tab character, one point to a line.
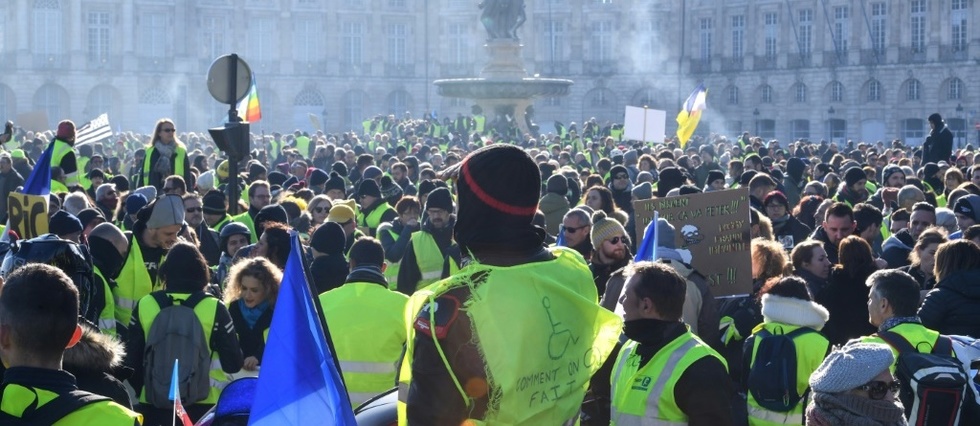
712	234
28	214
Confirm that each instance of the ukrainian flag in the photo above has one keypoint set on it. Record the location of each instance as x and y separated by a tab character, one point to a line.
688	118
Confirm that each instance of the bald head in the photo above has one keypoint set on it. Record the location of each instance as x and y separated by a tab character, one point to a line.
112	234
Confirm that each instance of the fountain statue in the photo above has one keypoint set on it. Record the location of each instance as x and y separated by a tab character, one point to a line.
503	87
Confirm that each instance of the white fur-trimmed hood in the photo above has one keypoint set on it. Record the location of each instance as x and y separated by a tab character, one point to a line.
790	310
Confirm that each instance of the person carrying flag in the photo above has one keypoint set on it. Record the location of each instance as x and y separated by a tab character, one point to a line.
459	368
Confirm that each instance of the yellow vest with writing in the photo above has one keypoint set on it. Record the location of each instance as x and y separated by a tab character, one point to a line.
645	396
541	333
205	310
367	326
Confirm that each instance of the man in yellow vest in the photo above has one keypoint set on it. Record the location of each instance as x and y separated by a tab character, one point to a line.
63	154
215	209
432	254
259	196
396	234
893	307
367	323
374	209
38	321
302	144
154	232
664	374
109	250
459	367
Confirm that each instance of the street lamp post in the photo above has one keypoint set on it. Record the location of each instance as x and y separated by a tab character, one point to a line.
962	131
830	123
755	118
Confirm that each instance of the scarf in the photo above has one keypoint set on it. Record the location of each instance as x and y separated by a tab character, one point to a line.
777	224
163	164
844	409
251	315
892	322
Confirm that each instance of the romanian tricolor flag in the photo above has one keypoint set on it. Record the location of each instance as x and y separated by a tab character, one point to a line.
688	118
248	108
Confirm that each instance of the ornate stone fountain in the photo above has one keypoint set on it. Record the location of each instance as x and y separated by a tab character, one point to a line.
503	88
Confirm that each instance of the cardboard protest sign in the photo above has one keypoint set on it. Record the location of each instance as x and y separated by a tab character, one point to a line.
712	233
644	124
28	214
36	121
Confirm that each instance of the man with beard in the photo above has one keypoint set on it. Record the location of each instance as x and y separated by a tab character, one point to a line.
576	226
432	247
611	249
939	144
897	247
853	191
374	209
208	238
154	232
259	196
892	180
399	174
106	199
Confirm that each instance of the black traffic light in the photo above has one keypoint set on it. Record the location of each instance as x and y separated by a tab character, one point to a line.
233	139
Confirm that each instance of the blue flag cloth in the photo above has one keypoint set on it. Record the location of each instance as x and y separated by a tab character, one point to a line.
174	390
647	251
39	182
560	241
299	382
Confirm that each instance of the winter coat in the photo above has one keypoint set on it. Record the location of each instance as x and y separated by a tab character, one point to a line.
790	233
938	146
896	249
846	298
953	307
96	361
554	206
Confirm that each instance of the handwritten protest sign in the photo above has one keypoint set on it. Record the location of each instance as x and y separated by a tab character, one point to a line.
28	214
713	231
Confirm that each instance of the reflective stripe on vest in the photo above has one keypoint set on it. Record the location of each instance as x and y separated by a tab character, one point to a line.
133	282
637	401
205	310
367	367
391	271
758	413
178	163
107	318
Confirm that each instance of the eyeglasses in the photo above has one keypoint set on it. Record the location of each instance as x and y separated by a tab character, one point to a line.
878	389
168	130
194	209
617	240
572	229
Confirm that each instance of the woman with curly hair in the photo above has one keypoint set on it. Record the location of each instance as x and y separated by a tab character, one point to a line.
250	295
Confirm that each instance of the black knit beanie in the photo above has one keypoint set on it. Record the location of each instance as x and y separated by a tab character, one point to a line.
329	239
335	182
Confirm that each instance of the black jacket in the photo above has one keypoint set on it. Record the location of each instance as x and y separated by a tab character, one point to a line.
820	235
938	146
954	306
926	280
252	340
846	298
791	232
895	250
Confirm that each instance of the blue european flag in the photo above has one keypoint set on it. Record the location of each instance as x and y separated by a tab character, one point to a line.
560	241
299	382
647	251
39	182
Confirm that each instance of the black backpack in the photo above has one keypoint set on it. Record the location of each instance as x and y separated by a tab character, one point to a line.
772	378
54	410
934	385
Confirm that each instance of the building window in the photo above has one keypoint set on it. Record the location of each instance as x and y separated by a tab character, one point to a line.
772	30
912	89
805	32
213	33
799	130
351	43
554	32
874	91
47	27
398	102
599	99
841	25
836	92
879	19
154	37
306	39
98	36
353	109
397	4
602	40
767	94
800	93
397	40
913	128
706	34
733	95
738	36
261	39
459	45
955	90
552	101
959	16
918	25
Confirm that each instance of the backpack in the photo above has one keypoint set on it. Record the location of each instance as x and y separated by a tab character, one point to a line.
772	378
55	410
176	333
934	385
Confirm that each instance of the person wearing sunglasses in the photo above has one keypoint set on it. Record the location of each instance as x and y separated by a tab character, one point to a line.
208	237
165	156
575	228
854	386
610	246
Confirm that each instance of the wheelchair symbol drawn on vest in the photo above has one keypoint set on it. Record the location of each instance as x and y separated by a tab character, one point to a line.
561	338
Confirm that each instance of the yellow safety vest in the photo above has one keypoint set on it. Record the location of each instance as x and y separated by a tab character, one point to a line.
276	149
246	219
917	335
58	187
133	282
178	163
540	332
222	222
17	399
810	351
205	310
479	122
107	318
373	219
83	179
429	259
367	325
61	149
391	271
645	396
303	146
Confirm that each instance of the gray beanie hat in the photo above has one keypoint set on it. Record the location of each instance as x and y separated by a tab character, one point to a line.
167	211
851	366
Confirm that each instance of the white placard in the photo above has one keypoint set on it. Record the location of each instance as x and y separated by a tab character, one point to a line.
644	124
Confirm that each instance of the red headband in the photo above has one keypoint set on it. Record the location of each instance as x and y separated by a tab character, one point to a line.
490	200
